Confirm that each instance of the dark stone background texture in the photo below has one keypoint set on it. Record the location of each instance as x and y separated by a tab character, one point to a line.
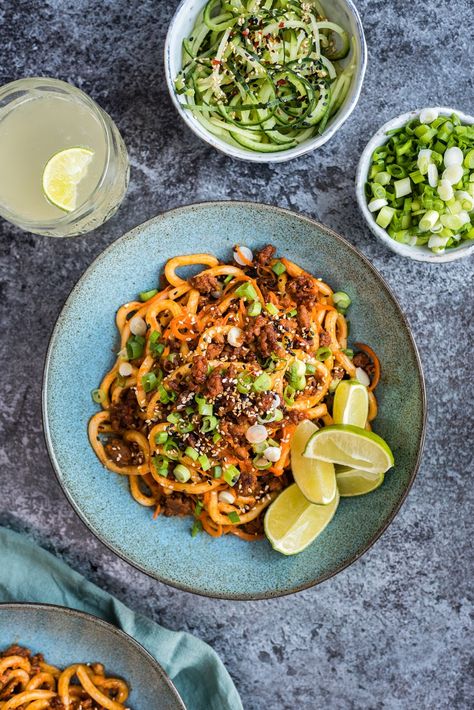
394	630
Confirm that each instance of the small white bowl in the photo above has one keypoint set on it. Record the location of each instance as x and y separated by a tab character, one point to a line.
341	11
419	253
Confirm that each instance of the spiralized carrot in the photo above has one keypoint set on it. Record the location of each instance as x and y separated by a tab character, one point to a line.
377	370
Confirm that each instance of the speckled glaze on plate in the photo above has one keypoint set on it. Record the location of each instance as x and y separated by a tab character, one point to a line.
80	353
65	636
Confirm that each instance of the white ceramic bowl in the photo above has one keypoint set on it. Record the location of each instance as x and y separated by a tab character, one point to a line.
419	253
341	11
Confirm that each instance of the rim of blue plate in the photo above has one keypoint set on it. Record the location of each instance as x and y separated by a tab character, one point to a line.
173	583
97	621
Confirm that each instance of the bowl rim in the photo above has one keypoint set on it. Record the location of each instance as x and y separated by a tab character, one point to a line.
421	379
304	148
417	253
98	621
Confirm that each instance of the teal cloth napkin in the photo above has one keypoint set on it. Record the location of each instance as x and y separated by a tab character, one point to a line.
30	574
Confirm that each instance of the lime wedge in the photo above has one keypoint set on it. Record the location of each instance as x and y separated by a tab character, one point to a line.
315	479
63	173
351	403
352	446
292	522
352	482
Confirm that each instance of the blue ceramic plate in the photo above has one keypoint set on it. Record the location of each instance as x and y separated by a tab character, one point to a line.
81	351
65	636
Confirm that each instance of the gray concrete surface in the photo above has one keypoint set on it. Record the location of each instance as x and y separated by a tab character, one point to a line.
393	631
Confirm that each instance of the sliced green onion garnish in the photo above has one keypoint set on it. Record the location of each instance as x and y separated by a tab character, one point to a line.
323	353
310	368
161	437
98	396
204	407
192	453
209	423
231	475
233	517
279	268
204	462
135	346
255	308
197	527
173	418
341	300
272	309
146	295
149	381
262	383
247	291
181	473
217	471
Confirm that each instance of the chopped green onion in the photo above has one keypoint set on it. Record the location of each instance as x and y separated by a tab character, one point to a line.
149	381
231	475
255	308
216	437
161	437
135	346
272	309
323	353
181	473
244	382
192	453
198	508
146	295
204	408
402	187
171	448
385	216
261	462
209	423
161	464
197	527
173	418
233	517
98	396
247	291
292	313
217	471
341	300
348	352
262	383
310	368
204	462
279	268
289	394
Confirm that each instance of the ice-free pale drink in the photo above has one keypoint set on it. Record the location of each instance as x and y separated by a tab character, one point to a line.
41	119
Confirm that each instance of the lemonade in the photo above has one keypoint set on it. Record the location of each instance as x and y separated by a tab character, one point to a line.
41	119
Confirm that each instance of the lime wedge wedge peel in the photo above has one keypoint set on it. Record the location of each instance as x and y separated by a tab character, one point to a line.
351	403
292	522
315	479
63	173
352	482
351	446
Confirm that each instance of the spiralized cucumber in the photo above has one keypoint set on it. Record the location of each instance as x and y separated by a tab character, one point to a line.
265	74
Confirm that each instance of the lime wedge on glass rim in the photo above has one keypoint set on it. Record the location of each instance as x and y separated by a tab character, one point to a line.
351	403
63	173
315	479
352	482
352	446
292	522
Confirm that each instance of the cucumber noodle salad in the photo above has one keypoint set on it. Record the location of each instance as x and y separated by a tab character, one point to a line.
421	182
265	74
